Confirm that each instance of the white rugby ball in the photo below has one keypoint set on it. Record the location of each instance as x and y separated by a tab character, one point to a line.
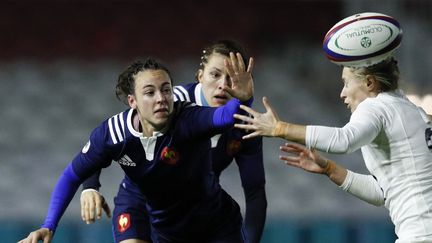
362	39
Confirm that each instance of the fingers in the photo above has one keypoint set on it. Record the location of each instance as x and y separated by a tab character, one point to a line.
88	202
98	206
245	126
83	211
40	234
294	147
234	63
47	239
290	161
251	65
90	207
92	204
289	150
244	118
107	209
267	104
240	62
229	68
251	135
250	110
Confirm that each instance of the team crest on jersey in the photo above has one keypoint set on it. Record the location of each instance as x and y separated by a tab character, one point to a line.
428	137
125	160
123	222
86	147
169	156
233	147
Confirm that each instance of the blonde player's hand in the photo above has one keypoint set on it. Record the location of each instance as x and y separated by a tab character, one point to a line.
308	160
260	124
41	234
92	204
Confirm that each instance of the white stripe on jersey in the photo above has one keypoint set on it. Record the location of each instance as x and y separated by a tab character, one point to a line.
113	138
113	124
178	95
183	91
116	125
122	122
197	92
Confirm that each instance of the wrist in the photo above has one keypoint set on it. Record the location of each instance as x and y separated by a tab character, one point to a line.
330	168
89	190
280	128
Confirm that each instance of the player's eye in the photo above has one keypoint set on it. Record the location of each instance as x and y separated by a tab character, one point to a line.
149	92
166	91
214	74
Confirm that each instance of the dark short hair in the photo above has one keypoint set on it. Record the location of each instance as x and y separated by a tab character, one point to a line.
126	80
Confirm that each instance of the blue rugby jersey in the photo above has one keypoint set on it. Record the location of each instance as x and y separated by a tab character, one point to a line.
248	155
225	148
172	169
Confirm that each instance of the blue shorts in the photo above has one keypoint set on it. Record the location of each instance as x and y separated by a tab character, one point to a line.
130	219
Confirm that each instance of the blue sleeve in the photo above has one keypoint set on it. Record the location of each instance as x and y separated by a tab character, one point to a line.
63	193
92	182
223	117
251	167
93	157
195	121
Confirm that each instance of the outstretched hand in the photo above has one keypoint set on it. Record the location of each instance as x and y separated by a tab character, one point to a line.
261	124
241	85
308	160
43	234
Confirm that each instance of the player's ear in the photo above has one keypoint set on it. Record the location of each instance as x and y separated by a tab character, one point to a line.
199	75
372	83
132	101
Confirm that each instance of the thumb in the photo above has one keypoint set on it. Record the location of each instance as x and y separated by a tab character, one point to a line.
266	104
47	238
107	209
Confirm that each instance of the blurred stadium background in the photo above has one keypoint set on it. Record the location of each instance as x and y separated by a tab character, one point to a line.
59	60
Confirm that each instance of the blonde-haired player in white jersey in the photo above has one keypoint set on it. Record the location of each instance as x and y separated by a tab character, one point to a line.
395	138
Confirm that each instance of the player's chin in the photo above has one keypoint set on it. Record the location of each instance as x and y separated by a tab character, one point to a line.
160	119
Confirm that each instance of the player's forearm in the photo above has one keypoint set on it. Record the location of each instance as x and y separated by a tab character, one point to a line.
335	172
291	132
364	187
256	208
63	193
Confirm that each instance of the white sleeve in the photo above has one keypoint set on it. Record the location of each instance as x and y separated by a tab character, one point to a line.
363	127
364	187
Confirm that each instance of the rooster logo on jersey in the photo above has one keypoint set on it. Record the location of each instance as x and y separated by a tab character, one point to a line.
123	222
170	155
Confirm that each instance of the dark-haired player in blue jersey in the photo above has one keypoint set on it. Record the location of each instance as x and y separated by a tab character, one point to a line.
163	147
212	77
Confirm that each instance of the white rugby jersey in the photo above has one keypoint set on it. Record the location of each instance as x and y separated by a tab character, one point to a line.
395	140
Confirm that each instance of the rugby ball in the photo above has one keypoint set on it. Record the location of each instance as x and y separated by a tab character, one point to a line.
362	39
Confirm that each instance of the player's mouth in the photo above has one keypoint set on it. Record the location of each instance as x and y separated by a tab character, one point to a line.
220	99
347	105
161	111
